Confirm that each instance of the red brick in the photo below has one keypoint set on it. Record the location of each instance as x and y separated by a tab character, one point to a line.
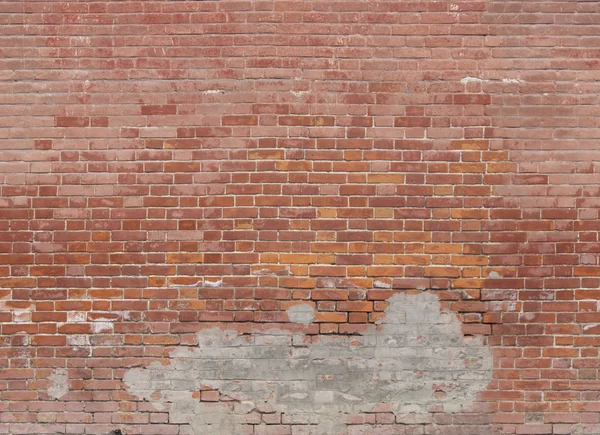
412	121
159	110
210	164
72	121
240	120
471	99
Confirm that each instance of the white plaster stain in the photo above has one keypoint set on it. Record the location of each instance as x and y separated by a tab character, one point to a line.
515	81
193	284
469	79
21	316
102	327
299	94
381	284
78	340
76	317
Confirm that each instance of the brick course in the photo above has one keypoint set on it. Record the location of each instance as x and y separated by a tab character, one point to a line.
168	167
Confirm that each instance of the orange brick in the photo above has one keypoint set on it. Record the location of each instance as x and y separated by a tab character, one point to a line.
184	258
449	272
321	317
293	165
266	154
298	258
289	282
385	271
386	178
334	295
587	271
355	306
474	144
467	167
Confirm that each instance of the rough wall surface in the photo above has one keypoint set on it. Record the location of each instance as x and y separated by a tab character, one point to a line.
299	217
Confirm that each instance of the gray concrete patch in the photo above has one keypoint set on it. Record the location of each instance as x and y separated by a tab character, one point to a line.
417	358
301	313
60	384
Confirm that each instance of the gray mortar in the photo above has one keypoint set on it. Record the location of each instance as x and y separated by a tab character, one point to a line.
59	384
416	359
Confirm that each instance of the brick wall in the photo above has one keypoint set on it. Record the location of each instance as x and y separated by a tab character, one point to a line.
299	217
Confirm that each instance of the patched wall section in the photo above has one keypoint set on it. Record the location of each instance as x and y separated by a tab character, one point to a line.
59	384
415	361
264	166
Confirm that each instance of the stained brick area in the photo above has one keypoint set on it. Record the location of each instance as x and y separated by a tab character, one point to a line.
172	167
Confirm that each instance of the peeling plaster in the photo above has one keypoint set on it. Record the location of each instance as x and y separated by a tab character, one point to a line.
417	359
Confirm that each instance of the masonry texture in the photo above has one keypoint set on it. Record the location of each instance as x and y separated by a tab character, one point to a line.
418	359
299	217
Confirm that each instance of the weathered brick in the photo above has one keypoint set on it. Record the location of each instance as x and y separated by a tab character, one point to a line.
214	165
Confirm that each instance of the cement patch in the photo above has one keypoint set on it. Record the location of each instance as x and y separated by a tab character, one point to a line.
60	384
301	313
416	359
